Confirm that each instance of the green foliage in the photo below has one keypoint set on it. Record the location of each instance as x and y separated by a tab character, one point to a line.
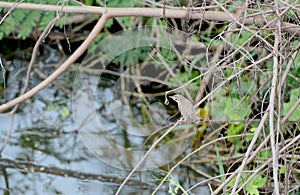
60	107
11	22
229	108
185	77
169	57
294	96
29	23
125	21
109	23
133	57
258	181
290	14
61	23
122	3
246	87
263	155
241	38
129	22
117	48
235	129
174	186
88	2
180	78
295	71
285	168
46	18
23	22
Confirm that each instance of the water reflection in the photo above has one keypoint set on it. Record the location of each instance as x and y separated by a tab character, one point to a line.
111	123
104	138
48	139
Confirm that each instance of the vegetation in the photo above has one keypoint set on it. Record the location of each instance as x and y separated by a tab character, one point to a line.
242	73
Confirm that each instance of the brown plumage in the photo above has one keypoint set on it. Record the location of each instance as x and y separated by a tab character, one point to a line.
186	108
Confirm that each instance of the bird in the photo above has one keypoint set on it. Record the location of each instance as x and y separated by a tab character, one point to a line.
186	108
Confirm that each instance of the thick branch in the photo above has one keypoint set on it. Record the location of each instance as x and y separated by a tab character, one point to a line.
253	19
120	12
96	30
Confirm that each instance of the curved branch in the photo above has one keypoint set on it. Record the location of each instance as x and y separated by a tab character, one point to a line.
96	30
121	12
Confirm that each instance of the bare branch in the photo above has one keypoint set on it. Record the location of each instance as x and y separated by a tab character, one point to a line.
257	19
98	27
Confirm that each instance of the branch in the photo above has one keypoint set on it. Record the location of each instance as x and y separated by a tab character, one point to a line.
31	167
96	30
145	156
238	171
253	19
121	12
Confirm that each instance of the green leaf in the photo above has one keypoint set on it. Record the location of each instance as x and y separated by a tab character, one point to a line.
246	86
263	155
241	38
179	78
88	2
122	3
8	26
52	106
46	18
235	129
127	21
294	96
256	182
282	170
229	108
64	112
259	181
133	56
29	23
109	23
23	21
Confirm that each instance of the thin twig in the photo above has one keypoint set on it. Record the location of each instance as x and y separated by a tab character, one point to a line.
230	78
36	49
191	154
238	172
268	161
3	76
33	57
10	10
145	156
